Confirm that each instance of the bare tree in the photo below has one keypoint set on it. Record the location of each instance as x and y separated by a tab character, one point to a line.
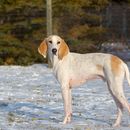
49	22
49	16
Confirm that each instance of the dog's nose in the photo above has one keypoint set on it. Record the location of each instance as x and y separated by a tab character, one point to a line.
54	51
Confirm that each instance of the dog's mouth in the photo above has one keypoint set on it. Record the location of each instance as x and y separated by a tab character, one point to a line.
54	54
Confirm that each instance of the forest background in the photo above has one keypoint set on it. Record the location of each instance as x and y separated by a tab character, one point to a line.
84	24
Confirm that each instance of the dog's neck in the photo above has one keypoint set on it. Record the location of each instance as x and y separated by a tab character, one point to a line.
55	61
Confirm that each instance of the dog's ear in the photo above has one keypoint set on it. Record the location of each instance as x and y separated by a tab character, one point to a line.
42	49
63	50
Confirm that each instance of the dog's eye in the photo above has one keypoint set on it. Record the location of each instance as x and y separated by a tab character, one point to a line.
58	42
50	42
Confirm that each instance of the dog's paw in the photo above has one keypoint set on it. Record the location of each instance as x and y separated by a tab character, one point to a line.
67	119
116	125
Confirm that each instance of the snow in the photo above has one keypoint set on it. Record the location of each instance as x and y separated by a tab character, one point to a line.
30	99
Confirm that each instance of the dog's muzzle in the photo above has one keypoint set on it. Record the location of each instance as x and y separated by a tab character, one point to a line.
54	51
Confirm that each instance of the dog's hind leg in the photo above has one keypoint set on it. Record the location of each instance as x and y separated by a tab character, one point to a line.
119	94
116	90
119	107
115	86
115	74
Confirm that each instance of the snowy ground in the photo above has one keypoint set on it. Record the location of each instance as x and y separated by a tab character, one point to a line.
30	99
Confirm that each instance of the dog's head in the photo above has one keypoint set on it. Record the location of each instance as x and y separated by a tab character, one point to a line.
53	45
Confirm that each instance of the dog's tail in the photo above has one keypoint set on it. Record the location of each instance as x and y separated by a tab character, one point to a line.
127	73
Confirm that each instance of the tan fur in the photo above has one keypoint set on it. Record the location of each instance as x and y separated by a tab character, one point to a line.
99	67
43	48
115	65
63	50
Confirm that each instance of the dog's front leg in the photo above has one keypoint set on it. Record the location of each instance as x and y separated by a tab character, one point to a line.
66	94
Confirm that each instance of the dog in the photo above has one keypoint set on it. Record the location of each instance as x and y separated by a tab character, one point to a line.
74	69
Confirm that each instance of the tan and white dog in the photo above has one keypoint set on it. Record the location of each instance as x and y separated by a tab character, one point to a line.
73	69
